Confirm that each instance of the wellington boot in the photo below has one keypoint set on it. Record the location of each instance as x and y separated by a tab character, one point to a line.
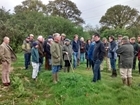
129	81
68	69
124	80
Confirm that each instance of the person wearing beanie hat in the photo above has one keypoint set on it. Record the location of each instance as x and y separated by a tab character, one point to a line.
35	44
126	53
35	60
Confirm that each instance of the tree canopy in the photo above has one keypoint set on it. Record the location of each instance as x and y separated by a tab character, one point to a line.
120	16
66	9
30	5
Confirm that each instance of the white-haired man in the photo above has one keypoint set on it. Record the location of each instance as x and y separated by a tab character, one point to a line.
56	55
40	50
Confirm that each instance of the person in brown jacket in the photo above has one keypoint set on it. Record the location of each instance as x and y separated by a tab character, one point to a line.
40	41
6	56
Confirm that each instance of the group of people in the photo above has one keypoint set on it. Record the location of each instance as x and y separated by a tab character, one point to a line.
62	53
108	51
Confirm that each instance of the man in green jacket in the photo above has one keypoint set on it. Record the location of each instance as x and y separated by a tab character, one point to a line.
56	55
126	52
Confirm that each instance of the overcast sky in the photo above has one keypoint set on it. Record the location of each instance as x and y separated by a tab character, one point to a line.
92	10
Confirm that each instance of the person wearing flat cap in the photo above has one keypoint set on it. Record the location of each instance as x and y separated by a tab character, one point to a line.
26	47
67	54
63	37
126	52
35	60
136	48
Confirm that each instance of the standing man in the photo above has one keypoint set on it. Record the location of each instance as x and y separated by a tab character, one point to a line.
98	55
56	55
76	50
47	45
40	50
62	43
126	52
31	40
139	53
136	48
67	54
113	55
119	42
63	37
6	56
82	50
31	37
106	58
26	47
90	52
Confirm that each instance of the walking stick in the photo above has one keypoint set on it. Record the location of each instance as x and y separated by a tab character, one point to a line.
70	63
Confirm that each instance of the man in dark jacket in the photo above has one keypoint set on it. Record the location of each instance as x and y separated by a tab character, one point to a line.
136	48
47	45
126	52
98	55
138	38
76	50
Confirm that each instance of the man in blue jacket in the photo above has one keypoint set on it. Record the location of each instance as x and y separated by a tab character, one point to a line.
98	55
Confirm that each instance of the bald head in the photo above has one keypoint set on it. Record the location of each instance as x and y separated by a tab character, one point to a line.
6	40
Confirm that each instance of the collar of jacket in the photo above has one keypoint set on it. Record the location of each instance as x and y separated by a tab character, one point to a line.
98	41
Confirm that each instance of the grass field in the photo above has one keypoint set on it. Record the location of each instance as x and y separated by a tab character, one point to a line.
73	89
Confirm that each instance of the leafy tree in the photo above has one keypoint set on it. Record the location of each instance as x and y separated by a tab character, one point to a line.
119	16
103	28
66	9
30	5
115	32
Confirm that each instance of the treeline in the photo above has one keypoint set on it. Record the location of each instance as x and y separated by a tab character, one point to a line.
30	18
63	16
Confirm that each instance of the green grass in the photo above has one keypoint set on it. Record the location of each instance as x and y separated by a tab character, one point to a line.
73	89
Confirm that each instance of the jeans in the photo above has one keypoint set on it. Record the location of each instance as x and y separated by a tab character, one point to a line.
35	69
82	57
75	57
97	74
113	63
55	68
27	59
